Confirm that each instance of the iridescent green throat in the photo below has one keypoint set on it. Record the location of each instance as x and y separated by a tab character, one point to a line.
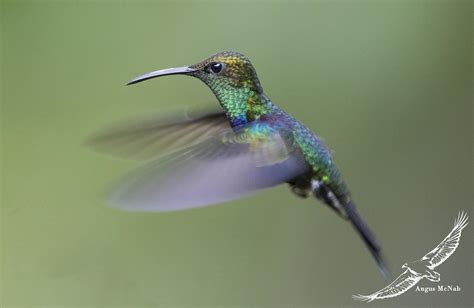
243	105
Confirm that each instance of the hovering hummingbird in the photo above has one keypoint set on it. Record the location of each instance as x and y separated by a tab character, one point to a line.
212	157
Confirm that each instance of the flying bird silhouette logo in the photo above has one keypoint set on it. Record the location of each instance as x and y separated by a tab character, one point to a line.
424	267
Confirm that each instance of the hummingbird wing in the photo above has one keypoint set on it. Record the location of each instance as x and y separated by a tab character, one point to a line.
144	139
225	167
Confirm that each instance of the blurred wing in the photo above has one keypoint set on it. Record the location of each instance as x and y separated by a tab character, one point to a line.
223	168
147	138
403	283
447	246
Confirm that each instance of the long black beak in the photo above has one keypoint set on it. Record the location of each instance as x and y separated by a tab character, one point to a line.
168	71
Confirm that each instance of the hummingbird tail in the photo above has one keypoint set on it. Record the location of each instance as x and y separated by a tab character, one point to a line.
367	236
348	210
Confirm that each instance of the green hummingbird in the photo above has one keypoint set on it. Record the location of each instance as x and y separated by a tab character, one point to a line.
215	156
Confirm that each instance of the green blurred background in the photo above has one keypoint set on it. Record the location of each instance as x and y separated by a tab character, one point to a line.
386	83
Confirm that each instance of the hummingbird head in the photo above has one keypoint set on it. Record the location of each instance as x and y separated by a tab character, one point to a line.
227	71
224	72
233	80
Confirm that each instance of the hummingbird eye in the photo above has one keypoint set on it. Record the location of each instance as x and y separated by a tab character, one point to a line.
216	67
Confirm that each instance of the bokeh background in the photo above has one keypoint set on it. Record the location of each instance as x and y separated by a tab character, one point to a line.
386	83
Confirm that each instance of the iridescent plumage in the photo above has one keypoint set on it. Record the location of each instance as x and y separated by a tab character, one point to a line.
211	157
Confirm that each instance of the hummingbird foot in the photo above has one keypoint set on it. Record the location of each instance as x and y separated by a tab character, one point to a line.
300	192
301	187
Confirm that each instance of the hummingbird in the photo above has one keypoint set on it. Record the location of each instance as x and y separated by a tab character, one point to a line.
202	158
